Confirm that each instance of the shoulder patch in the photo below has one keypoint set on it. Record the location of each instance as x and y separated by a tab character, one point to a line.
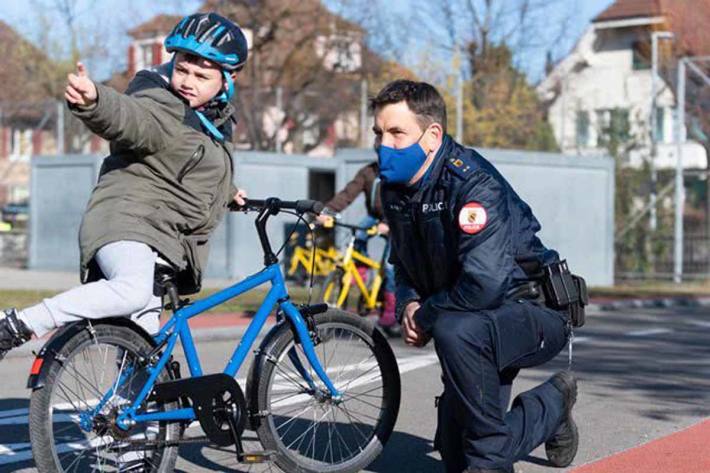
472	218
461	165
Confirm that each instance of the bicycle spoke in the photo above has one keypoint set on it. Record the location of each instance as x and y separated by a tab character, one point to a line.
360	400
87	382
289	378
66	388
345	388
353	424
304	433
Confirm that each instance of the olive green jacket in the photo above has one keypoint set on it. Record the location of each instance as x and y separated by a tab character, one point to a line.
166	182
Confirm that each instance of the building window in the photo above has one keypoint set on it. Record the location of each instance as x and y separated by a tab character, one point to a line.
582	134
619	123
641	56
659	134
612	126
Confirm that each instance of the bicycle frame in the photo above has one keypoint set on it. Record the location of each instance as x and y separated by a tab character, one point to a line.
351	273
178	328
324	260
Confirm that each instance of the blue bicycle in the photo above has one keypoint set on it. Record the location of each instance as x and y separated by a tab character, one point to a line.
322	393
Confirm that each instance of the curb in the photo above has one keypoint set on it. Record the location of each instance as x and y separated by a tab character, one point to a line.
651	303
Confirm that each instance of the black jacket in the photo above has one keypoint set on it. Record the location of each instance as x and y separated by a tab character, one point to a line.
449	257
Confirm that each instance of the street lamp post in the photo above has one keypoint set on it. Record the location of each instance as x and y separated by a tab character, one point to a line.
655	36
679	189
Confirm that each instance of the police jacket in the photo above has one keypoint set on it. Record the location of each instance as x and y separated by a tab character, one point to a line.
462	239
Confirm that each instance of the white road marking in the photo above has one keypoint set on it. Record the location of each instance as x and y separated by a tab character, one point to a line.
648	332
700	323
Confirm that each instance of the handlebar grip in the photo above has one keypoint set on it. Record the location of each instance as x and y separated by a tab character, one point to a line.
314	206
249	204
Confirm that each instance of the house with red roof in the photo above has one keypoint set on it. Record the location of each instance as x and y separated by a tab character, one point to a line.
606	80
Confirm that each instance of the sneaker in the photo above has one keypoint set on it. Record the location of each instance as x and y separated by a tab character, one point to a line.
13	331
561	448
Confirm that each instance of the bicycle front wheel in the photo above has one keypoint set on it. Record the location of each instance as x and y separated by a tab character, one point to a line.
310	432
68	436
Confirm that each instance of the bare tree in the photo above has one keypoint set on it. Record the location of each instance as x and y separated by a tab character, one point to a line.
302	71
478	25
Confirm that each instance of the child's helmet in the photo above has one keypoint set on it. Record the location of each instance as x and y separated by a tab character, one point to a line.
212	37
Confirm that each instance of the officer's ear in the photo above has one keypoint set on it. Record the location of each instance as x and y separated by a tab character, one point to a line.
433	136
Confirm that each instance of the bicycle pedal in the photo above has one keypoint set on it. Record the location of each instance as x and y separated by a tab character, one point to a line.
256	457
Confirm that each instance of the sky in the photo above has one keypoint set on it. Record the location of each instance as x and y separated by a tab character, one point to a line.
38	21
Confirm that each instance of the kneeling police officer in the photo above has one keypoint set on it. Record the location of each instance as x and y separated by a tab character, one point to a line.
472	274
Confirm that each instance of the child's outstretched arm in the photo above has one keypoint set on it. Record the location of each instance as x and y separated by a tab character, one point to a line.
132	122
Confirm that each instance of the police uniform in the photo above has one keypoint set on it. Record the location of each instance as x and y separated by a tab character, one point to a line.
463	245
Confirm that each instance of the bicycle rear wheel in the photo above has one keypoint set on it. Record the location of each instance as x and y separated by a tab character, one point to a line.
309	432
67	438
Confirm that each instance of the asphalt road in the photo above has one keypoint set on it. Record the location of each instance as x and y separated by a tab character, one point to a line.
643	374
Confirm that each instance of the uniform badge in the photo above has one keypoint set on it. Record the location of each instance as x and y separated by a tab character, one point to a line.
472	218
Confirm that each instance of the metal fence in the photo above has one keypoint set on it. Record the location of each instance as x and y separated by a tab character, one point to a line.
660	266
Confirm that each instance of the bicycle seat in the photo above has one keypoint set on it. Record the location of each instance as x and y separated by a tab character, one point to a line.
164	274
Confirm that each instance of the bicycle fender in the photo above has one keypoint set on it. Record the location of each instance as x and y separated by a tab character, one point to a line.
256	369
39	370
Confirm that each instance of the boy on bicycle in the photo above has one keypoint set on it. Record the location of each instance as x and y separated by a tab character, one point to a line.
163	189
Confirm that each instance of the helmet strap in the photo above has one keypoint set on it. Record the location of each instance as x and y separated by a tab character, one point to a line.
227	95
209	126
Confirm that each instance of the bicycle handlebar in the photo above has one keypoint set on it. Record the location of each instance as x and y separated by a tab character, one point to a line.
350	226
272	206
275	204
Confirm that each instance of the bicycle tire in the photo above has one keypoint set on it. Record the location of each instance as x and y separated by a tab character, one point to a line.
53	449
273	369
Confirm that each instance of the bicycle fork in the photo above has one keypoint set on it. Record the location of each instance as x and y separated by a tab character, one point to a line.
304	337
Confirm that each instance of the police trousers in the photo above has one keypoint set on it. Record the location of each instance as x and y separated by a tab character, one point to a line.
481	353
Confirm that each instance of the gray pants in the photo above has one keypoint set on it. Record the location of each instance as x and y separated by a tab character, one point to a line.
128	267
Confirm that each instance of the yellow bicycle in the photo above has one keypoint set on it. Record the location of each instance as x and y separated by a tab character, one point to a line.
336	288
305	260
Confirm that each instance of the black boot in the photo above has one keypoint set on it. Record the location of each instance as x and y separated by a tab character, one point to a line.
561	448
13	332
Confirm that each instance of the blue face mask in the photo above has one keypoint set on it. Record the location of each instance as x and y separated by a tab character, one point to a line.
398	166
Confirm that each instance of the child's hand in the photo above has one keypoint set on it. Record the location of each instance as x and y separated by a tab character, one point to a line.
80	89
240	196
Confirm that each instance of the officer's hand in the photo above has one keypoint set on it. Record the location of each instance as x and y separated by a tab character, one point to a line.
383	228
413	335
80	90
240	196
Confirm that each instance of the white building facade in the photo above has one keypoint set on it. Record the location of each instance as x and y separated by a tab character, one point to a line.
607	79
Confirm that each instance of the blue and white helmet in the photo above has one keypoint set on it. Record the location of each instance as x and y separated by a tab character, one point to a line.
212	37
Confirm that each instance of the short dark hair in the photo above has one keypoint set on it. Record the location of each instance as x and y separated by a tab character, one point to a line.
422	99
